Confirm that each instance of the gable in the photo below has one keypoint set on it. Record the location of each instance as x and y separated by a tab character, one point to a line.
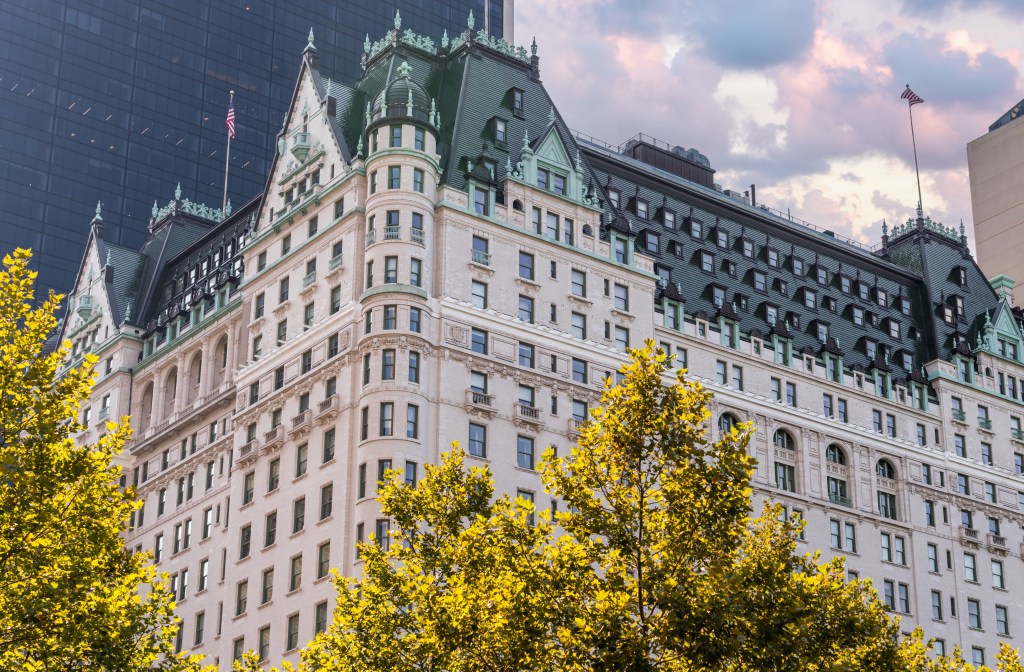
551	150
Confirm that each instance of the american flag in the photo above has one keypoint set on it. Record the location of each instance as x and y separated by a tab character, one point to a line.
911	97
230	121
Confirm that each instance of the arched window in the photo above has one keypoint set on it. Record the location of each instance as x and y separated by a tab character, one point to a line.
885	469
726	422
170	393
220	353
784	440
195	376
517	205
835	454
147	408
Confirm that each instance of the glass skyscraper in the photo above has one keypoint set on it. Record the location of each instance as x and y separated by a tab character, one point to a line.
120	100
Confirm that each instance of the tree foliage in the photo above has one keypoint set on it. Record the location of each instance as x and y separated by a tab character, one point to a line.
653	563
69	592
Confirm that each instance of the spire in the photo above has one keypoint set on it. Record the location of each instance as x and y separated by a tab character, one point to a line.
155	209
526	140
444	39
533	46
177	192
408	103
366	44
551	115
470	22
885	229
398	20
404	70
310	44
98	218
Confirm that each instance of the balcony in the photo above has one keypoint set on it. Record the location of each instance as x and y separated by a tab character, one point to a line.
985	424
959	415
574	426
371	237
274	438
300	146
327	409
248	451
524	413
969	535
301	422
481	257
840	500
309	279
391	232
84	307
1017	434
480	403
417	236
335	263
104	412
996	543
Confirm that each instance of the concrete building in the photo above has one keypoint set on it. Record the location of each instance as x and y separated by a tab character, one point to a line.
437	257
997	197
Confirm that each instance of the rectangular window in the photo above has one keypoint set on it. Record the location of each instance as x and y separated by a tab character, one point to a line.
524	452
579	282
412	421
298	515
323	559
326	500
477	440
621	297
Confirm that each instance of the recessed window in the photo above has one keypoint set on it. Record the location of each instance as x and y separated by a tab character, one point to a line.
845	284
668	218
518	102
882	297
748	249
641	208
773	258
613	197
722	238
810	298
760	281
718	296
822	276
798	267
500	131
858	316
418	141
652	242
396	136
707	262
696	229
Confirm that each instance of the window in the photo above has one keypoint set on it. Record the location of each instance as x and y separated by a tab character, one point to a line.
298	515
259	305
783	440
524	452
387	418
479	341
748	248
417	180
394	177
621	338
621	297
652	242
241	597
326	500
479	292
974	614
323	559
526	309
579	282
997	574
579	370
1002	620
810	298
412	421
526	266
579	326
526	355
390	269
707	262
477	440
791	394
414	320
785	477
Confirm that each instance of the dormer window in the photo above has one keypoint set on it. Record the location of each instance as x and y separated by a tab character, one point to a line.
858	316
822	275
882	297
831	304
960	273
908	361
748	248
798	267
641	208
668	218
810	298
870	348
543	177
696	229
894	329
822	332
518	102
760	281
771	315
613	197
718	296
722	238
652	242
958	305
707	262
500	131
558	184
947	315
773	258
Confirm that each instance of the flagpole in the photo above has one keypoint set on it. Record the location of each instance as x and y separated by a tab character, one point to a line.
227	164
917	171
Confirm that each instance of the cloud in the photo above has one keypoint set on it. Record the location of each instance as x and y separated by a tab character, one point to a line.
754	35
944	75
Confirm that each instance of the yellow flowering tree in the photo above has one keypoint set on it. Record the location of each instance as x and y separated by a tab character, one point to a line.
69	592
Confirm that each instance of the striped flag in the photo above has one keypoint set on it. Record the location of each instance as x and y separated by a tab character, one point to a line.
230	121
911	97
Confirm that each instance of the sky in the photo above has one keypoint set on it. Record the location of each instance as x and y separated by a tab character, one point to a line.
799	97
